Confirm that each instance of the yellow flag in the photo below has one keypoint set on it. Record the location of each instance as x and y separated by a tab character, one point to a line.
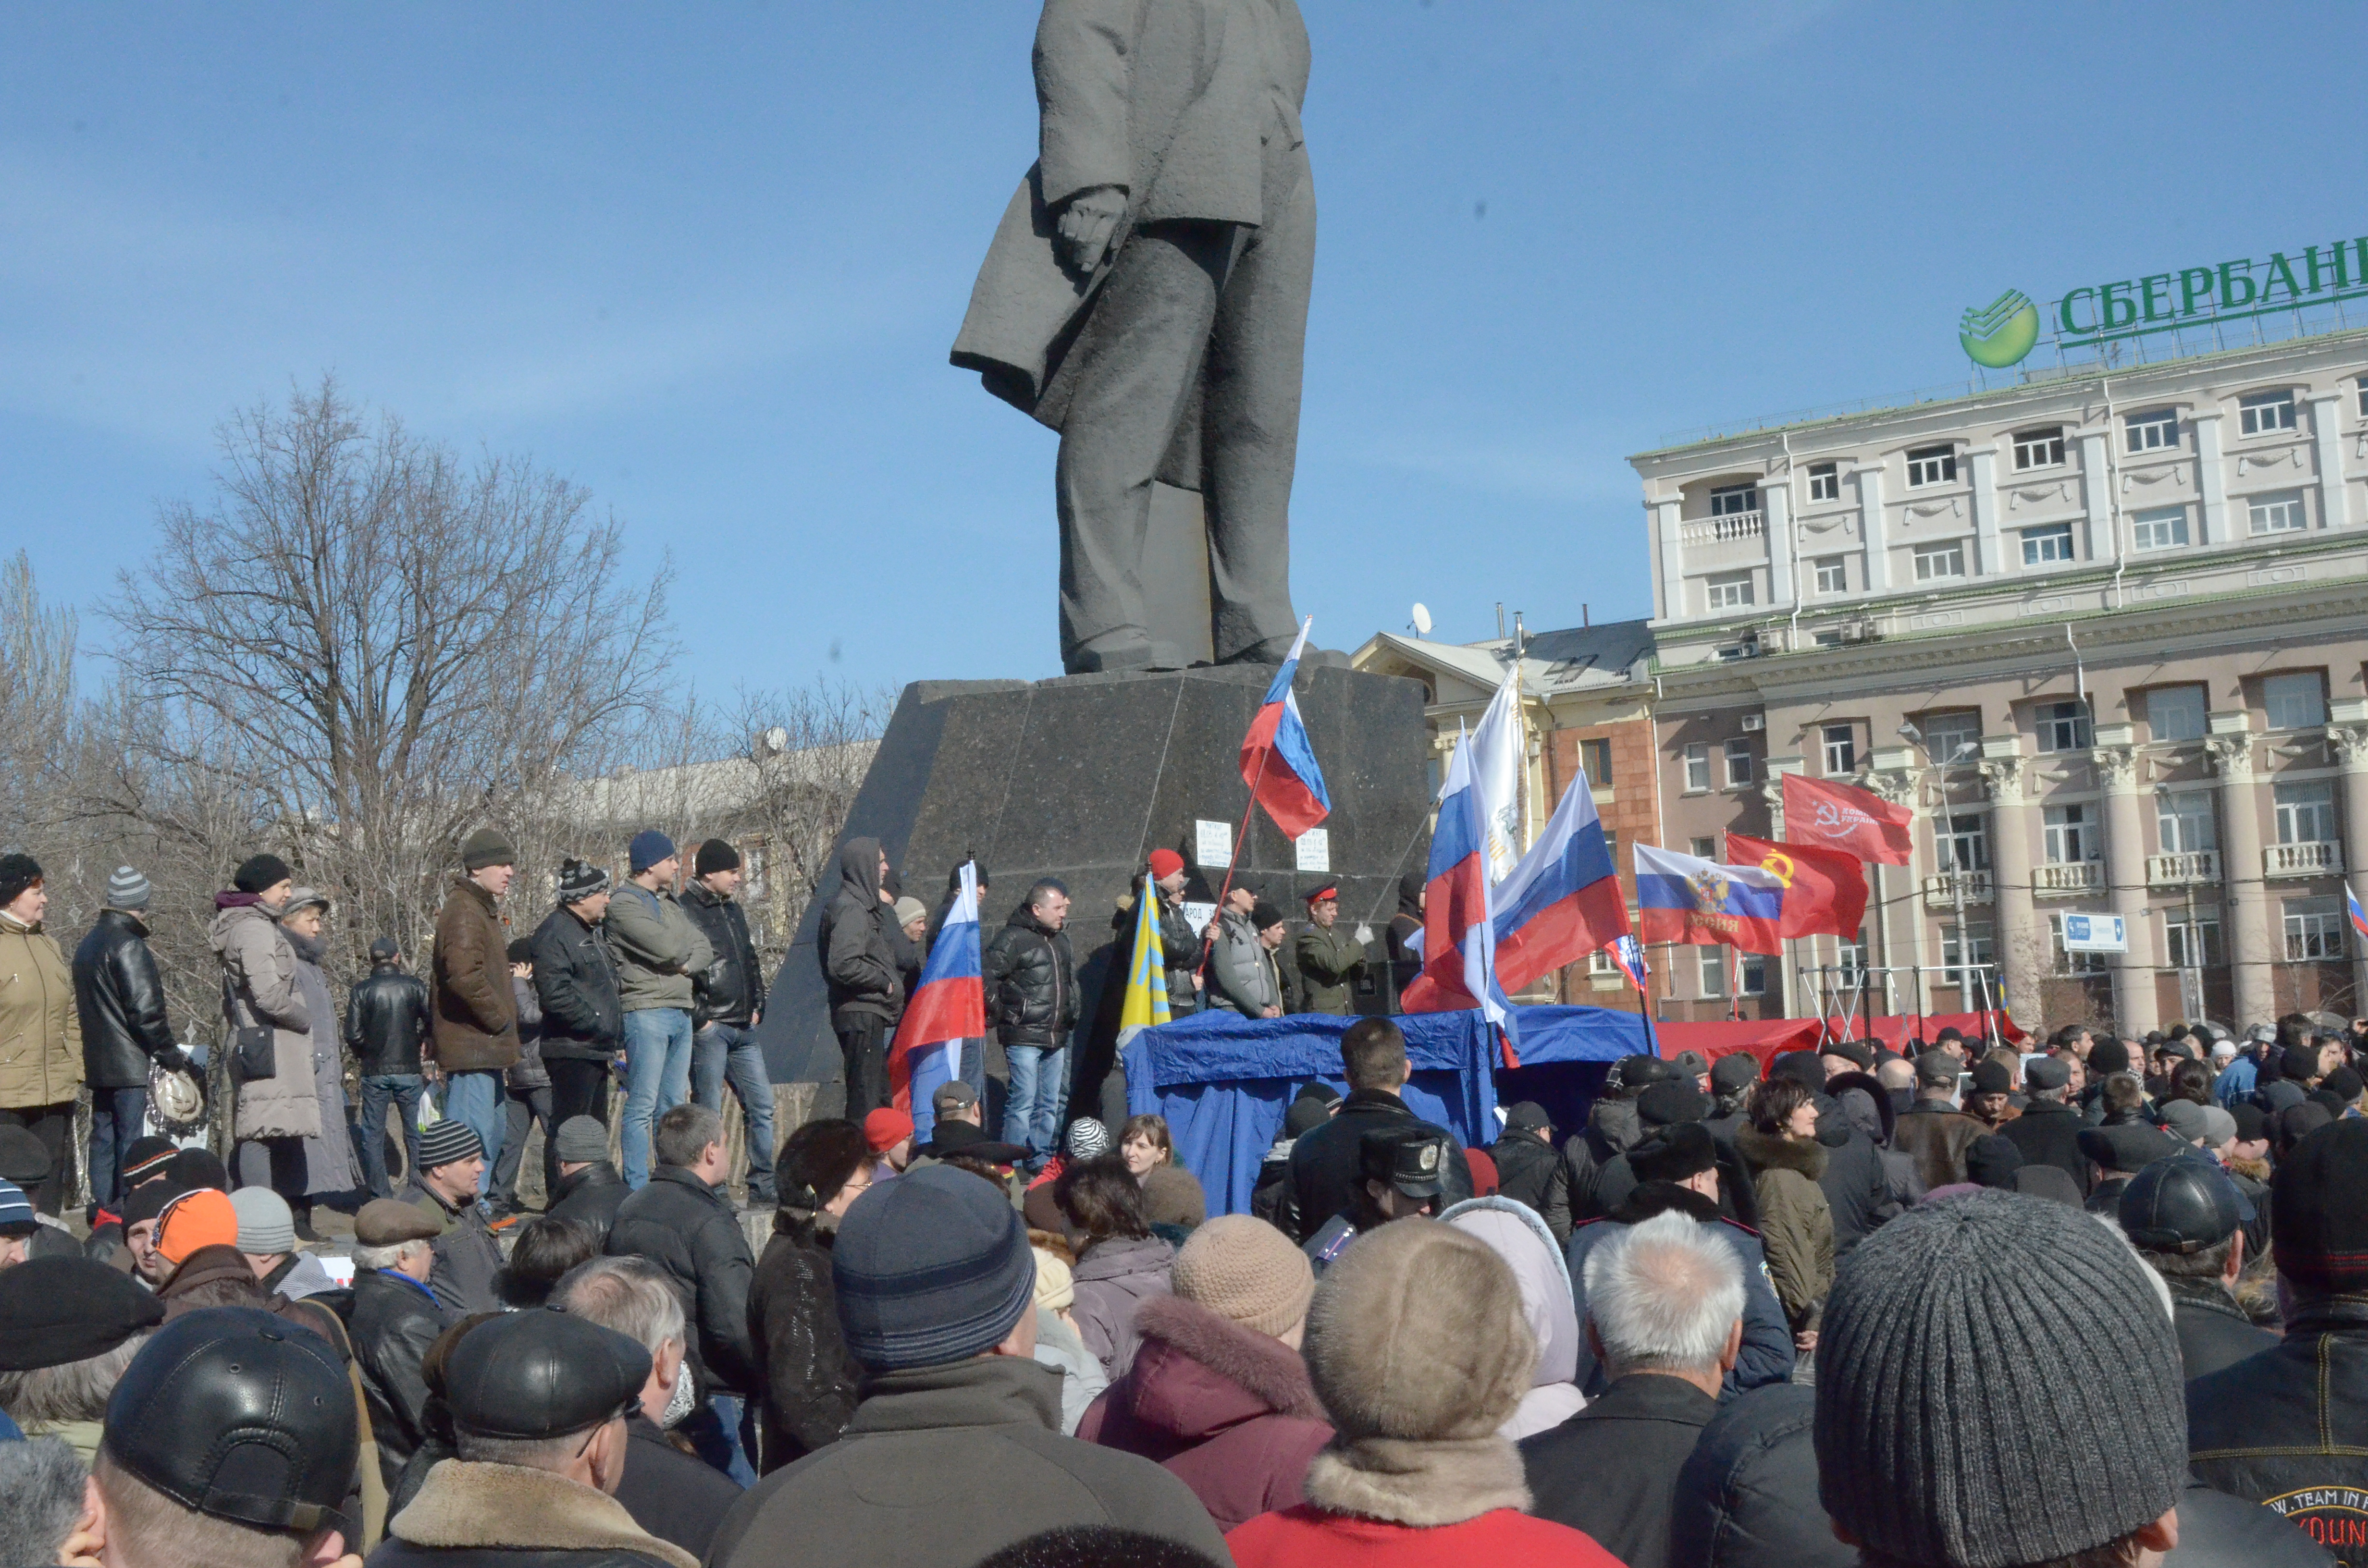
1146	974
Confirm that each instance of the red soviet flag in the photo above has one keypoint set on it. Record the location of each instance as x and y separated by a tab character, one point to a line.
1825	891
1826	814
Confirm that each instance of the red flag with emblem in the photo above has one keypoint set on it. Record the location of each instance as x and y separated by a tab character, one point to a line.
1825	891
1826	813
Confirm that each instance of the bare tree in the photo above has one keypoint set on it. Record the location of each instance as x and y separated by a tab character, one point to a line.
808	749
37	657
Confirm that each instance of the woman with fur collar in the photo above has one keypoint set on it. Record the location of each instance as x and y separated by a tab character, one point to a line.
1797	1224
1418	1346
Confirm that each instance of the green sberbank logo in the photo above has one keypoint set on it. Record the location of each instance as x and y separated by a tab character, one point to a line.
2002	332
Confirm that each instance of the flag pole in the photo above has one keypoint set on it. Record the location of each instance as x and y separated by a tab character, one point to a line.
1241	835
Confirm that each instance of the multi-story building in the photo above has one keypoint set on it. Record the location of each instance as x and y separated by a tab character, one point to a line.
2105	631
1584	702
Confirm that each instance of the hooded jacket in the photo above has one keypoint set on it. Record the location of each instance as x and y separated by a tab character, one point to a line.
261	987
657	948
477	1021
120	1000
1796	1222
1766	1355
1032	982
810	1382
1515	1233
858	963
1529	1172
1226	1409
1113	1279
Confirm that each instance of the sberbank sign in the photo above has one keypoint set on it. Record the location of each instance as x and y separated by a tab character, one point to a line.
2003	332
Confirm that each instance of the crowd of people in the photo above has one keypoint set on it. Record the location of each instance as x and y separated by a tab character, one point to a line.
2097	1304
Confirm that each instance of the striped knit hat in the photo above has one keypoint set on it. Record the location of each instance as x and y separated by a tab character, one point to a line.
931	1269
447	1140
16	1212
128	890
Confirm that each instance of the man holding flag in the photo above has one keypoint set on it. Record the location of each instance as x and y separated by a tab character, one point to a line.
947	1008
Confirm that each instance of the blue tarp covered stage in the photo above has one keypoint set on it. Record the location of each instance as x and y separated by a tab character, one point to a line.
1223	1081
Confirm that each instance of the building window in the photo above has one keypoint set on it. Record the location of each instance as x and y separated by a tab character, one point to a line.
1951	737
2296	701
1841	748
2062	726
2191	942
1730	590
2265	413
1833	573
2039	448
2363	396
2071	964
2279	513
2184	822
1850	956
1738	763
1931	465
2154	432
1697	769
2071	837
1734	500
1970	946
2041	546
1961	841
1595	757
2175	713
2305	812
1826	479
1755	975
2163	528
2314	929
1703	848
1711	971
1935	562
1599	963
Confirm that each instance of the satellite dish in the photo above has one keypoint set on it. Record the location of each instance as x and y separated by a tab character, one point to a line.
1422	621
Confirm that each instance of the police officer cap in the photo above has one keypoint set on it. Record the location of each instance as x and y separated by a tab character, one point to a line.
541	1374
1410	1156
2180	1206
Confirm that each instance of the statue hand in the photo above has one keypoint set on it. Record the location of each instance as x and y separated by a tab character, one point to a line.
1088	223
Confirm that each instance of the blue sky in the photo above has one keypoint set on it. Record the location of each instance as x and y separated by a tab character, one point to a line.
707	261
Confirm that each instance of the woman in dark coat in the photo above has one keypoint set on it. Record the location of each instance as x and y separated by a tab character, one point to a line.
810	1380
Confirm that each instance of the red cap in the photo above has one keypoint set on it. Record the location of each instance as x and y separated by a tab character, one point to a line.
886	1128
1329	890
1165	863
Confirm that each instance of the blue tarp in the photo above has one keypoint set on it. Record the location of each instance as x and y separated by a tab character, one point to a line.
1223	1081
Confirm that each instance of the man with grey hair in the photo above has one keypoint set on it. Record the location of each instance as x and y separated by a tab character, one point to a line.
394	1320
42	1484
1665	1316
669	1494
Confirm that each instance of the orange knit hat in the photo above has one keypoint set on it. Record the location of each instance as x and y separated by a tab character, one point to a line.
194	1220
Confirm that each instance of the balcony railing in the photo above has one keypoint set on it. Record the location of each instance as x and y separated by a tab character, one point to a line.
1944	888
1724	530
2183	870
2067	877
2322	858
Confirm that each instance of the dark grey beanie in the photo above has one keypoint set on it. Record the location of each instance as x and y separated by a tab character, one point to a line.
1946	1422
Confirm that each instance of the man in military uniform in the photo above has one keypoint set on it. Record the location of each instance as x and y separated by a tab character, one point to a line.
1331	960
1404	1169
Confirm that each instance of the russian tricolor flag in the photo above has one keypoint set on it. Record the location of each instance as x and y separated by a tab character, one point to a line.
947	1008
1683	898
2359	915
1459	969
1277	761
1563	901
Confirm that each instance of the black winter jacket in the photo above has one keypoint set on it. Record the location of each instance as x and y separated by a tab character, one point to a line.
121	1000
1612	1126
1610	1469
1180	950
576	980
2289	1427
858	962
732	989
394	1320
688	1228
1746	1497
1325	1175
1033	983
590	1197
1529	1172
674	1496
2213	1331
810	1381
1857	1187
387	1020
2048	1133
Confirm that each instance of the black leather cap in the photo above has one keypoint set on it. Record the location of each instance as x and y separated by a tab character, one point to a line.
2180	1206
1636	1072
237	1414
1671	1104
541	1374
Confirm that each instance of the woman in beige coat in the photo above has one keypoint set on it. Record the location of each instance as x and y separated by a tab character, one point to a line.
41	1033
260	987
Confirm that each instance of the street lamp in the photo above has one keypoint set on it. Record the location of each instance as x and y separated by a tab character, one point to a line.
2190	971
1915	737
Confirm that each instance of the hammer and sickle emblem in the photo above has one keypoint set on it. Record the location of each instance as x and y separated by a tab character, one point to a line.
1779	865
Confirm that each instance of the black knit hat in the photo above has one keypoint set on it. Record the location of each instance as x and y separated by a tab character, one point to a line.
2344	1084
2001	1283
1993	1162
57	1310
1263	915
257	872
1992	1078
1805	1068
443	1142
2252	1122
714	856
2318	1211
24	1159
1674	1154
2108	1055
17	872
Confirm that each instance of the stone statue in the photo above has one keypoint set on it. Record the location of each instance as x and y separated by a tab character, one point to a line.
1145	295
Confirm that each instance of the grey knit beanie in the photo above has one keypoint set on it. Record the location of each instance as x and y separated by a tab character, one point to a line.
1946	1424
128	890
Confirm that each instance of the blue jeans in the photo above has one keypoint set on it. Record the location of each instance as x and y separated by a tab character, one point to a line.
722	1052
657	1079
402	1091
114	1119
723	1432
1031	1116
475	1099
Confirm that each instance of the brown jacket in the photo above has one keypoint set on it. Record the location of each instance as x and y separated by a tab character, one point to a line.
41	1034
1936	1138
475	1027
259	965
1796	1224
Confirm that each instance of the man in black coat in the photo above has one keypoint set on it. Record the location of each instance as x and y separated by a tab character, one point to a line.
1612	1124
575	981
2048	1130
1326	1172
684	1222
120	999
858	962
1031	1000
387	1021
394	1321
2184	1216
1528	1169
590	1190
729	1003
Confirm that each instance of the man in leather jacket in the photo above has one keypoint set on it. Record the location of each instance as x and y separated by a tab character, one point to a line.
386	1023
1325	1174
2289	1427
730	1003
393	1321
121	1000
2186	1220
1033	1002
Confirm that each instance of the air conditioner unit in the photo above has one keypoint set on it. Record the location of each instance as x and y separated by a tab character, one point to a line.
1754	722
